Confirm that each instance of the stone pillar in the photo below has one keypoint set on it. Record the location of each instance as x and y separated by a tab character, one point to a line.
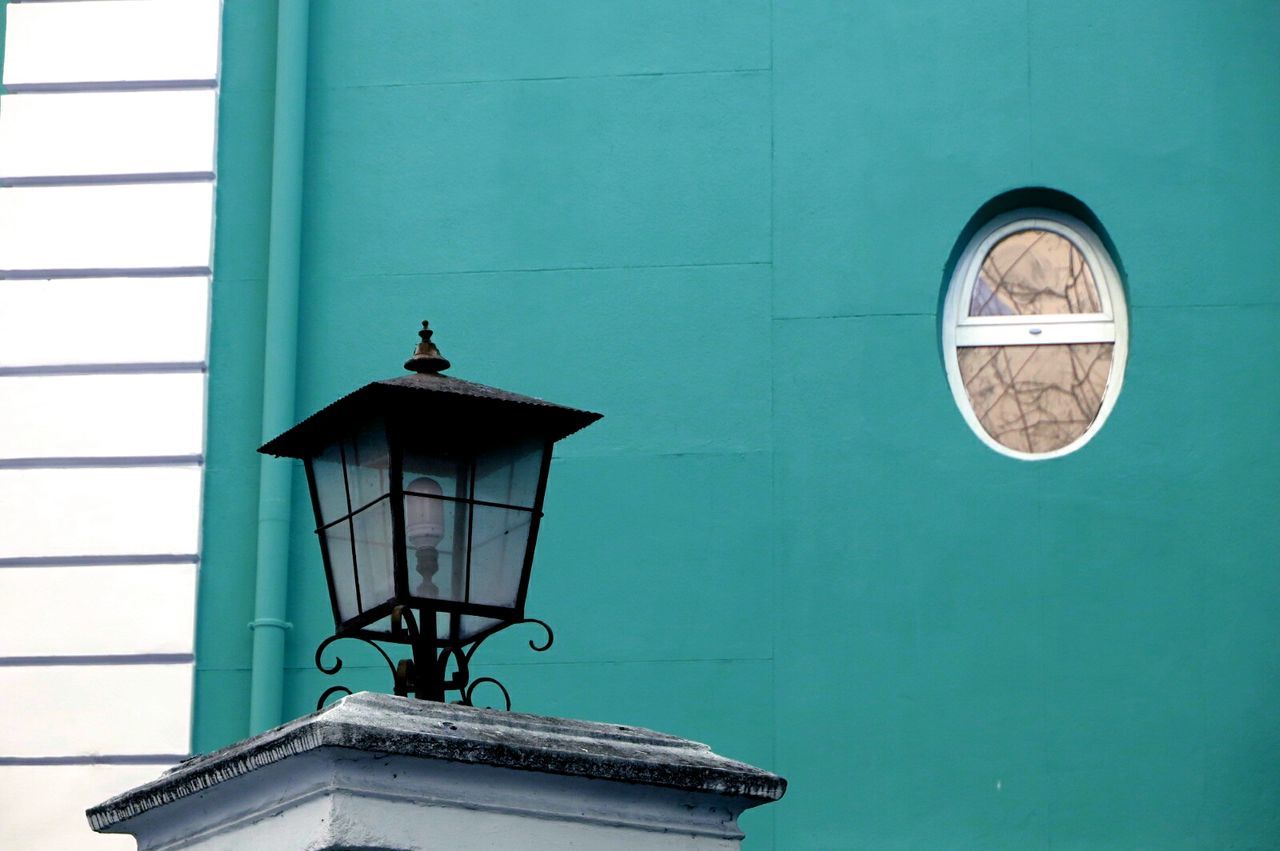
373	771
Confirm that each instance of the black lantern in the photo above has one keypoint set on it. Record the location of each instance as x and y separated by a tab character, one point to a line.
428	493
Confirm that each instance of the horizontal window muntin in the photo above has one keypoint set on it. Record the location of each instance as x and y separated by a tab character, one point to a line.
67	273
96	759
1026	333
53	370
92	659
67	462
135	178
74	560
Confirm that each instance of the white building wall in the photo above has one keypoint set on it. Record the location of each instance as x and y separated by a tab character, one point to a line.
107	134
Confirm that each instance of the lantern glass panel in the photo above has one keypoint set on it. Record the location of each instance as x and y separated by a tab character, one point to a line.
498	541
451	474
368	465
463	628
331	486
437	571
374	564
510	475
342	569
470	626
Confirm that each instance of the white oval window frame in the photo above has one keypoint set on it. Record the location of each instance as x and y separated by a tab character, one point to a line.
1109	326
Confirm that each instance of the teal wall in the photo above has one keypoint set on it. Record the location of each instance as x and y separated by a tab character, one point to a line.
725	224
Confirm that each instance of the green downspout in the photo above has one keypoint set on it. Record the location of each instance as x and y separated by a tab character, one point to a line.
266	696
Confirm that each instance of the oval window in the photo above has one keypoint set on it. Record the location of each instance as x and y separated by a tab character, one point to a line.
1035	334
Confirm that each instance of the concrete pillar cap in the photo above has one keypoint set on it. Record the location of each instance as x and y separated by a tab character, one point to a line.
403	727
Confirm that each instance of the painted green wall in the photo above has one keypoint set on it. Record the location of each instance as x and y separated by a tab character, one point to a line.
725	224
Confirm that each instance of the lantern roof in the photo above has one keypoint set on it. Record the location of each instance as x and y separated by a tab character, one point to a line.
448	407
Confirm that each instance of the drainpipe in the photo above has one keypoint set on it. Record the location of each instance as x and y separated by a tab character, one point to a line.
280	366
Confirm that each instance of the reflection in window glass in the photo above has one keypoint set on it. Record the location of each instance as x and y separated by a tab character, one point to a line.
1036	398
1034	272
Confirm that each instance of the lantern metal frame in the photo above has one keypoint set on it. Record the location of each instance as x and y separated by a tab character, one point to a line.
467	420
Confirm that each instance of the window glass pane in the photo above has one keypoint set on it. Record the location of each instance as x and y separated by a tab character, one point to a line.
1036	398
111	40
106	133
331	485
510	475
436	539
99	512
368	466
497	554
130	709
103	320
147	608
471	625
338	540
79	415
436	529
1034	272
166	224
44	805
447	474
373	554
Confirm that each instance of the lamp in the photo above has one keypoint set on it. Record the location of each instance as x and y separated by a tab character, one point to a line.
427	492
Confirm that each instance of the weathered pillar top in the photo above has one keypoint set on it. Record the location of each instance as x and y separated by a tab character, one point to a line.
397	726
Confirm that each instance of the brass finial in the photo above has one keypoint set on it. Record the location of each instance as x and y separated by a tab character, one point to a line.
426	357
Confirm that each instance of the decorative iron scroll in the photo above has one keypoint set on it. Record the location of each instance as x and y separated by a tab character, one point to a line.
423	676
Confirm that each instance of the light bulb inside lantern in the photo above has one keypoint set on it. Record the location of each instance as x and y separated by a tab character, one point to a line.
424	529
424	518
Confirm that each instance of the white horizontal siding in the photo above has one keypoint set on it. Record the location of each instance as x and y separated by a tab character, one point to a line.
106	609
44	805
99	362
106	133
102	415
99	709
99	512
111	40
106	226
103	320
